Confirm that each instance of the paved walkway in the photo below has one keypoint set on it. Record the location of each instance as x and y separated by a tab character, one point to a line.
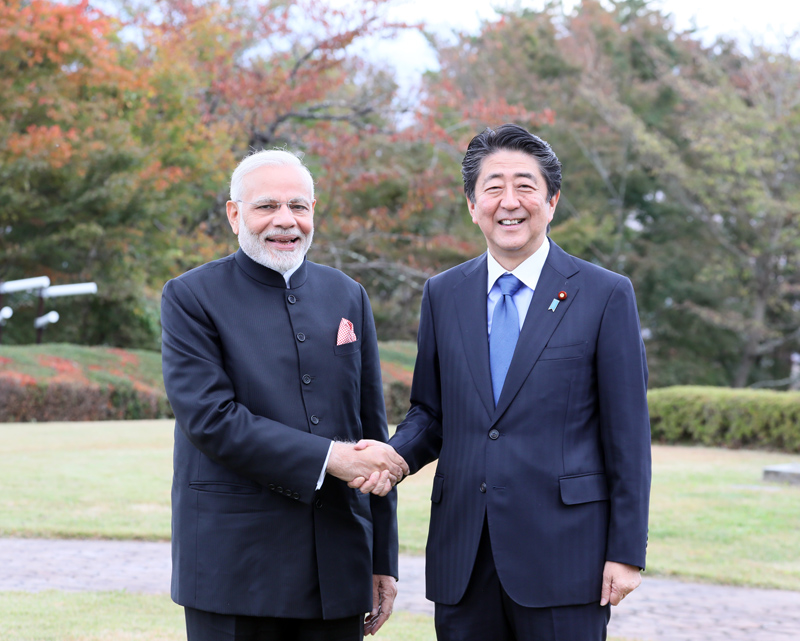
660	610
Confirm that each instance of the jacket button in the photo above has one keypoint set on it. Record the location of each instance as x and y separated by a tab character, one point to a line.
306	379
494	434
483	488
295	496
291	298
279	489
318	503
287	492
314	420
301	337
271	486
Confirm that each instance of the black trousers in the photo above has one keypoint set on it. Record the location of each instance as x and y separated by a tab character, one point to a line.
209	626
486	612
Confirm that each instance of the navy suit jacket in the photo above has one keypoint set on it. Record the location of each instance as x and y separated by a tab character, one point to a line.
259	388
561	467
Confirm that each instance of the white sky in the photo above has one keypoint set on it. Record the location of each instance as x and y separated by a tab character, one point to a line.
765	21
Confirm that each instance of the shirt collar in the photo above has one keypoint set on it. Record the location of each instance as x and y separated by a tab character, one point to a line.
528	271
288	275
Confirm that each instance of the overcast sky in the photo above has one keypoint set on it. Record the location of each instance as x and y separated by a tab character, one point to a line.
767	21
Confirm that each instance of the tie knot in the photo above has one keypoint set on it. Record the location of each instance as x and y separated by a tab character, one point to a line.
509	284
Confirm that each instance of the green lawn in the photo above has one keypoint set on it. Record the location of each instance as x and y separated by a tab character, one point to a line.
712	518
119	616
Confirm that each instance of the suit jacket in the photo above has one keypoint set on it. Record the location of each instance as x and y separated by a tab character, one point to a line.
259	388
561	467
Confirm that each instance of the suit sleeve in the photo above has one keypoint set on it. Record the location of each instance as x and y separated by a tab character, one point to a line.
418	438
624	426
373	422
203	399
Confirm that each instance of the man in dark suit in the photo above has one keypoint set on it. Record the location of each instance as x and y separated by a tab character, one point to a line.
530	389
271	367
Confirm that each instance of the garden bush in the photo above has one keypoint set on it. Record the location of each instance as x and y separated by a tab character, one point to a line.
25	400
721	416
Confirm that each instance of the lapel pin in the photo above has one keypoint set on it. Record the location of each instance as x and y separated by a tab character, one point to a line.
561	296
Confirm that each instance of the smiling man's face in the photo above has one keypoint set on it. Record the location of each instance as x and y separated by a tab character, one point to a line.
511	206
275	223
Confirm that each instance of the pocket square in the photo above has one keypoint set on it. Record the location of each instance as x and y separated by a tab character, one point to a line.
346	333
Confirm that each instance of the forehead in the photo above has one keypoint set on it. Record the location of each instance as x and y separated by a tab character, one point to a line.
277	181
506	164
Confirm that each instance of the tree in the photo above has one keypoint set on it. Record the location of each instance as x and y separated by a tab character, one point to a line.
656	185
89	168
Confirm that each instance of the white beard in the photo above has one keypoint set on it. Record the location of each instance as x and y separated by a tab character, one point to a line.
257	249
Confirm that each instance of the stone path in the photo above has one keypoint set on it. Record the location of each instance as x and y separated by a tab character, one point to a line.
660	610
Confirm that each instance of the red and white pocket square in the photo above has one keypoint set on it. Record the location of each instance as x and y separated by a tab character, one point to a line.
346	333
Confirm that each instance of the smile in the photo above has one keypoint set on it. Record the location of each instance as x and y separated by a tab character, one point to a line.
283	242
513	221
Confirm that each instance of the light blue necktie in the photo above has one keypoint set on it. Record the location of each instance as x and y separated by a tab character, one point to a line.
505	332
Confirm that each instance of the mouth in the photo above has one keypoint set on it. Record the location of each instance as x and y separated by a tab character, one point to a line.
283	243
511	222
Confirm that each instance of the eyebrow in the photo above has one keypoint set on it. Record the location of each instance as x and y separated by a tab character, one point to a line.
271	199
522	174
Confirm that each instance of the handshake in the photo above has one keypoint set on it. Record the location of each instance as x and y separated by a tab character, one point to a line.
368	465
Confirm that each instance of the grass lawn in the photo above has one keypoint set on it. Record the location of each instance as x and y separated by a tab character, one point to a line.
712	518
120	616
106	479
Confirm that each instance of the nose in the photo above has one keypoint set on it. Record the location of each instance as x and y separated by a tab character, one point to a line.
509	200
283	217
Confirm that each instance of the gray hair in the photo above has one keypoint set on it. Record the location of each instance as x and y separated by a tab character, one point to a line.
267	157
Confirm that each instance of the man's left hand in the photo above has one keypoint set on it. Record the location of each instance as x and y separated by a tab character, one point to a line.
619	580
384	590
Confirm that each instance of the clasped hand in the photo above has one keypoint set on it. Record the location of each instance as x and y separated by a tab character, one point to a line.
368	465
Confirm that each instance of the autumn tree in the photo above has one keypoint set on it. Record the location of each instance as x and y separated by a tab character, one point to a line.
283	74
94	158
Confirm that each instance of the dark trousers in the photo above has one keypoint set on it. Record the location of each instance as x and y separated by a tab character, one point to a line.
209	626
487	612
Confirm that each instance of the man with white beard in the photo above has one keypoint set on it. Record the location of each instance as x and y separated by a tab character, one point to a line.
271	366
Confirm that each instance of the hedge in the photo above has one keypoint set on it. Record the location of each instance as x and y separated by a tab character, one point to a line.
22	401
725	417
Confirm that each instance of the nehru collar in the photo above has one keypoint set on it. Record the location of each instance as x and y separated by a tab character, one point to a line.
268	276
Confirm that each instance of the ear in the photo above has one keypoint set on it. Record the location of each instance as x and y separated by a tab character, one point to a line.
552	205
471	207
232	209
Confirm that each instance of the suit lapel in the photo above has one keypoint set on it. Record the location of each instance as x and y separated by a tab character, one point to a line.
540	322
470	303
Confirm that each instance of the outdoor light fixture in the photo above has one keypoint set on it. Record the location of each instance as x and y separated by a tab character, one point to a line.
25	284
5	314
48	319
74	289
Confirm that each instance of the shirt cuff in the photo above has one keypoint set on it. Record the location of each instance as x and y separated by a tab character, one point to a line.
324	467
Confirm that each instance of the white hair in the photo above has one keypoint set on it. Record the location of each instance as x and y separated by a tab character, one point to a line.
271	157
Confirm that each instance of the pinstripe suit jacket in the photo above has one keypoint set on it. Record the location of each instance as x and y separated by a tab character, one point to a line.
561	467
259	388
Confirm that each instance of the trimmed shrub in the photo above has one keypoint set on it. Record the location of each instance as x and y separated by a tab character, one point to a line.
396	395
22	401
721	416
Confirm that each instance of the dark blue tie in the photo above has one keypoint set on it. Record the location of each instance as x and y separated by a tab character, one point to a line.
505	332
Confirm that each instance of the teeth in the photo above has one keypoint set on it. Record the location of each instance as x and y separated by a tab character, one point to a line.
516	221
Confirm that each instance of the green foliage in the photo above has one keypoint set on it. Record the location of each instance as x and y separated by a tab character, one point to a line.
725	417
74	383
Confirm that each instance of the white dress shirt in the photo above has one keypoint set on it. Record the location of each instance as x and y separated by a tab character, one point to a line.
527	272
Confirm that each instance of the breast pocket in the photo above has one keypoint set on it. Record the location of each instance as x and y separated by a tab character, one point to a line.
347	348
564	352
